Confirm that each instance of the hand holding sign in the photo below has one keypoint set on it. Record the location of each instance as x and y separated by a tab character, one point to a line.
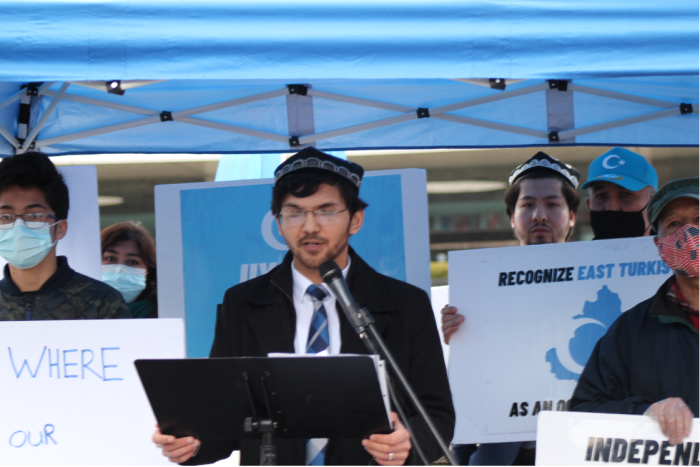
450	322
177	450
674	417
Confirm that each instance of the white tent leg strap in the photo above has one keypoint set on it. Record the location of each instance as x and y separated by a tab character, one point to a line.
560	111
29	103
623	122
300	117
24	116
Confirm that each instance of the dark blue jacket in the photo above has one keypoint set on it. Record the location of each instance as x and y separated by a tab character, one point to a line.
649	354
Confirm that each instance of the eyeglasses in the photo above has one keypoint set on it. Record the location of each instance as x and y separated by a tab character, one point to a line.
33	220
322	216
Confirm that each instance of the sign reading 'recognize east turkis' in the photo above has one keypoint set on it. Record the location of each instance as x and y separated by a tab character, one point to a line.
571	438
533	315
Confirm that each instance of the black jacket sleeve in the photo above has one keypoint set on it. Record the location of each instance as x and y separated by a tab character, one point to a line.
604	385
428	377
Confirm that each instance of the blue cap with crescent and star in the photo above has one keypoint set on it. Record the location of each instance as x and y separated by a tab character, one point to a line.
622	167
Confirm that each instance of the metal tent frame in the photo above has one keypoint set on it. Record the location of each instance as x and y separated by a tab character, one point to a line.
28	137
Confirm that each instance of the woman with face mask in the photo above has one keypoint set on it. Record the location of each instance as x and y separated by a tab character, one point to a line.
129	265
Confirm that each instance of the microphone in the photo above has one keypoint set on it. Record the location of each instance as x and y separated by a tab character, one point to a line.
362	321
332	276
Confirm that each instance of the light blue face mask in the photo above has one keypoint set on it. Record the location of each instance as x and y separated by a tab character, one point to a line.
130	282
23	247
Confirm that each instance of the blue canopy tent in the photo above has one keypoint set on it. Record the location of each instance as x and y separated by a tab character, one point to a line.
271	76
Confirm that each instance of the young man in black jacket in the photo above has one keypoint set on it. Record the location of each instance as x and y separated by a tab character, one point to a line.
316	202
38	285
647	362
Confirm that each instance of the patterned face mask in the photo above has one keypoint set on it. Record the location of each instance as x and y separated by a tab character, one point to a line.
680	250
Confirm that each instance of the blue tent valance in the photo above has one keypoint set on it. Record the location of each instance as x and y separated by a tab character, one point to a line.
255	77
65	40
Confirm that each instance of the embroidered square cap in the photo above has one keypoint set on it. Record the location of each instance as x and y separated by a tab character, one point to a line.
542	162
622	167
313	159
681	188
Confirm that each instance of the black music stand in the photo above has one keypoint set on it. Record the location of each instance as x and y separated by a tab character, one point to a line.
258	397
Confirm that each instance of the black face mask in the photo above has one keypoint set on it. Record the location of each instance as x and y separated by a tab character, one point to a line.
617	224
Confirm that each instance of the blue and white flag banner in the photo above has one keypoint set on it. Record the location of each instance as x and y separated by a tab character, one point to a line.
533	315
572	438
214	235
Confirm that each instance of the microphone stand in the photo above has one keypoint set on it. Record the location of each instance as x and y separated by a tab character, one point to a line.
362	321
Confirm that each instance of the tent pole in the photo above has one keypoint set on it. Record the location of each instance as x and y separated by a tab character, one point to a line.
234	129
10	139
106	104
559	99
435	110
96	131
54	102
15	97
492	125
488	99
623	122
23	92
621	96
355	128
300	114
230	103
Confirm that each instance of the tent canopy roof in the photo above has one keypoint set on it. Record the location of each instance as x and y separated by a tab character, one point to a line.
363	39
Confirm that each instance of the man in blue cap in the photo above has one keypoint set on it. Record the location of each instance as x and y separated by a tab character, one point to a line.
620	184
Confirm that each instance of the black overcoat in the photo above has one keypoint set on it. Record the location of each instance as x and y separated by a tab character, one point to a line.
650	353
257	317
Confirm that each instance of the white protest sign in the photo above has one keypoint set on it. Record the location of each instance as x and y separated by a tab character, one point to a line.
81	245
70	392
533	315
573	438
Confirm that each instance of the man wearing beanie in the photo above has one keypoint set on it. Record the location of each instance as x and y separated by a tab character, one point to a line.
316	202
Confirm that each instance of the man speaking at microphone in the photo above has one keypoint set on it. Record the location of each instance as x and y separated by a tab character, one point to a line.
316	202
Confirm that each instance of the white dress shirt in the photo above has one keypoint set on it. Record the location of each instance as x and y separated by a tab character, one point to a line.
304	308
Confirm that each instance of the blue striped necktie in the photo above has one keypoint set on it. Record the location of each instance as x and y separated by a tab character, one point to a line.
317	341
